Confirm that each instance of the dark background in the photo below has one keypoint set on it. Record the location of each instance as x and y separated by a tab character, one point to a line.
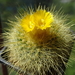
9	8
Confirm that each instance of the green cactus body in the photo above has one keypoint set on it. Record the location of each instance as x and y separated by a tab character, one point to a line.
39	50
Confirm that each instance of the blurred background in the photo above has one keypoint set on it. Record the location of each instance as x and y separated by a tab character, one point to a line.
9	8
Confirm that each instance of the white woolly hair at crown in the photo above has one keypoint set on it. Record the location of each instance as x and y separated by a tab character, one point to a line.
43	47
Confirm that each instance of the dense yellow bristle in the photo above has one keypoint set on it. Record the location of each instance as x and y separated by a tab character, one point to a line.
39	42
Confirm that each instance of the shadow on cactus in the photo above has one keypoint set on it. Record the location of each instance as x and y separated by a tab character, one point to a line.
39	42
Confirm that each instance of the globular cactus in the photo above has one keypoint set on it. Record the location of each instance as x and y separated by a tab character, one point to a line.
39	42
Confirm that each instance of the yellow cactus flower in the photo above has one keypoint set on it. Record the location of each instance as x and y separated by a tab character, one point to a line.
41	19
28	23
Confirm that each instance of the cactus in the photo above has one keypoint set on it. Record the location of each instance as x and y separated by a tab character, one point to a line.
39	42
